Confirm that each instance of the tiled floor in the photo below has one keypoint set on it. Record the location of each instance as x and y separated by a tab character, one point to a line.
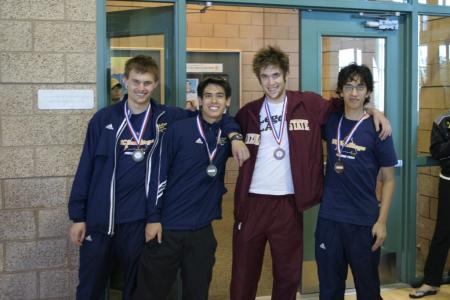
388	293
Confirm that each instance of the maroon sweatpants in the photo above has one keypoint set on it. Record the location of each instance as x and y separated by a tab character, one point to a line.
274	219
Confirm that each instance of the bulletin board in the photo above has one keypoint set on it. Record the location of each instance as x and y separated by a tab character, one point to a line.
203	63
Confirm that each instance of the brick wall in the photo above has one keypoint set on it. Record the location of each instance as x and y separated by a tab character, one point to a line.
434	76
246	29
44	44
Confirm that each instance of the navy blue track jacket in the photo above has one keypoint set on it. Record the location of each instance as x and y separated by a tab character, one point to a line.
189	198
92	199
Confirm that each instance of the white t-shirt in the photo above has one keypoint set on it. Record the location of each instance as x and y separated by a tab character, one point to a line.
272	176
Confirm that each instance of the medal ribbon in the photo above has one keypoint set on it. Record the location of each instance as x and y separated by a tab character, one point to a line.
278	136
135	135
340	146
212	154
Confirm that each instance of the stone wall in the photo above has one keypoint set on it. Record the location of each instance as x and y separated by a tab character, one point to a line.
44	44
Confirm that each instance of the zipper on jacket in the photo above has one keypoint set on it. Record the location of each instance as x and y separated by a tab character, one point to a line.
112	189
113	179
161	185
254	117
148	171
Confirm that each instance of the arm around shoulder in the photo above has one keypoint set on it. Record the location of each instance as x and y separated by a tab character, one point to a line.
382	124
320	107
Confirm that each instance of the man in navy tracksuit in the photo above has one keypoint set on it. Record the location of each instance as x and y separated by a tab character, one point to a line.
192	172
352	223
108	202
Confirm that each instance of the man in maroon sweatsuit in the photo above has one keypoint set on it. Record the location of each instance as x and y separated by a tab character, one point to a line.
282	178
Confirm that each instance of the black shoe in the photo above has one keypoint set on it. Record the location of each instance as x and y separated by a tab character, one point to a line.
419	294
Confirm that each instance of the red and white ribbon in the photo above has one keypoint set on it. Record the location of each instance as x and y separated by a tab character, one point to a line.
212	154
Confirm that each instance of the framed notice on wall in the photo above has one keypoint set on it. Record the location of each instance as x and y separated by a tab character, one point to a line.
226	64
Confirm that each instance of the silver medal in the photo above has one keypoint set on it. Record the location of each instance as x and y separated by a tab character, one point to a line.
138	155
339	167
211	170
279	154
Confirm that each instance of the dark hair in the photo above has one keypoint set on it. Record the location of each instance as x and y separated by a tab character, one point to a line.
214	80
142	64
358	73
270	55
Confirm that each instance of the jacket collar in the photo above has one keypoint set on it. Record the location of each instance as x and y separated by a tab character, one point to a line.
256	106
205	124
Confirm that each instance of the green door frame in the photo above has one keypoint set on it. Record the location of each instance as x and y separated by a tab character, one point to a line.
315	25
412	10
144	22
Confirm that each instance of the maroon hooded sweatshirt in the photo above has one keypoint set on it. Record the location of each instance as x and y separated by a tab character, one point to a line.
305	113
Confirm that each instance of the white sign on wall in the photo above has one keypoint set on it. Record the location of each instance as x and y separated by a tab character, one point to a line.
65	99
204	68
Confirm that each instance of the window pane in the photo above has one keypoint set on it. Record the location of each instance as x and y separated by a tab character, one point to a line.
434	100
135	28
338	52
435	2
434	75
398	1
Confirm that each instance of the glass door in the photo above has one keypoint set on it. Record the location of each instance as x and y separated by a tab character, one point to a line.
330	41
434	101
140	27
